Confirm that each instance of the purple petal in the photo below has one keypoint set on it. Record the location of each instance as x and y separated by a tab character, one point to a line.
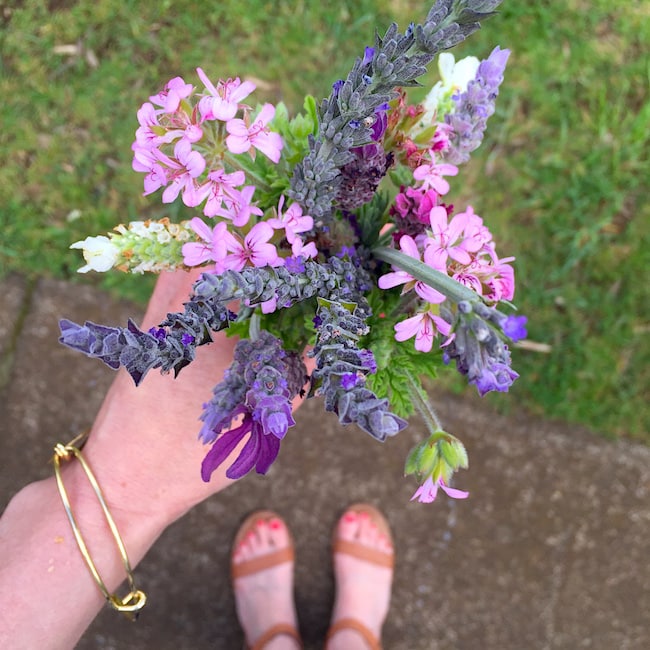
247	458
222	448
269	452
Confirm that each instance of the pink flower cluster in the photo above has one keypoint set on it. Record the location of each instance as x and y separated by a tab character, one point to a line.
238	247
183	145
459	246
184	136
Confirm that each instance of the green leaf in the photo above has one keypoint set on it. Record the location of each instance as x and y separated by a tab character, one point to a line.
451	288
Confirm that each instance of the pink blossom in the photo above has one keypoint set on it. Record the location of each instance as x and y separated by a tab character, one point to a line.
431	175
409	247
186	166
497	275
254	249
218	186
172	94
243	138
213	248
238	207
446	240
147	161
292	221
476	233
145	136
469	279
424	326
223	101
440	140
300	249
428	491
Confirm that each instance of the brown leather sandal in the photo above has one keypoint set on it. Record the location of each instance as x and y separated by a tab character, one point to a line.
261	563
357	550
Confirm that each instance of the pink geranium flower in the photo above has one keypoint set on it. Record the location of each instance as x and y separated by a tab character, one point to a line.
428	491
184	168
258	135
148	161
409	247
238	207
447	239
292	220
431	175
145	136
300	249
424	326
219	186
213	247
254	249
223	101
172	94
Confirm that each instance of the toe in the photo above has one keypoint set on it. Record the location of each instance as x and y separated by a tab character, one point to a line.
348	527
278	534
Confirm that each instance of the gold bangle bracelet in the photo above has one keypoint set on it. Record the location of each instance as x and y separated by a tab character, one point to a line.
135	600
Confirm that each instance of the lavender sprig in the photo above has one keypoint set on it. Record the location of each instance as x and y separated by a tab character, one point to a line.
474	107
478	345
345	117
259	385
342	367
171	345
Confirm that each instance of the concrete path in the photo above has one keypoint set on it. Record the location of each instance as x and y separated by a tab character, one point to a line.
549	552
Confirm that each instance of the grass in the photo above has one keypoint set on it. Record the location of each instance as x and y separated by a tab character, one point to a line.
561	177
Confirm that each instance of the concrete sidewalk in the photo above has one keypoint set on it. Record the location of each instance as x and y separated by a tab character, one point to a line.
549	552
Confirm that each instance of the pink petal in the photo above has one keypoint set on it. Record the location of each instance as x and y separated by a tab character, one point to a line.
241	91
408	328
409	247
393	279
453	492
238	143
260	232
270	144
195	253
266	114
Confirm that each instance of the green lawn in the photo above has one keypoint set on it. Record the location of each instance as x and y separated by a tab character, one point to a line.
560	177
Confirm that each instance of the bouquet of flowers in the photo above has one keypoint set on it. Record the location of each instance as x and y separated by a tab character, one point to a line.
332	232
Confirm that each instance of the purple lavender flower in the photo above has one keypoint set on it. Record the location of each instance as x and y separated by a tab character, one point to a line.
349	381
474	107
341	368
260	384
478	347
495	377
514	327
259	452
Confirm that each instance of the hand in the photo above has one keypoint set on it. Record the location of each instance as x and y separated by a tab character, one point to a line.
143	446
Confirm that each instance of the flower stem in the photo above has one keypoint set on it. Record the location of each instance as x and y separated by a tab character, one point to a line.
451	288
421	403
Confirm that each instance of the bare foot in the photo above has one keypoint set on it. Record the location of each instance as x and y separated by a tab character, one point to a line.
363	586
264	598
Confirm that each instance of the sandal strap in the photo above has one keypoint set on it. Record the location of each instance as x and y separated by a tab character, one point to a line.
364	553
353	624
277	630
263	562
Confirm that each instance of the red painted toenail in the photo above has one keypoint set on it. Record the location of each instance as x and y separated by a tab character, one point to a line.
275	524
350	516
